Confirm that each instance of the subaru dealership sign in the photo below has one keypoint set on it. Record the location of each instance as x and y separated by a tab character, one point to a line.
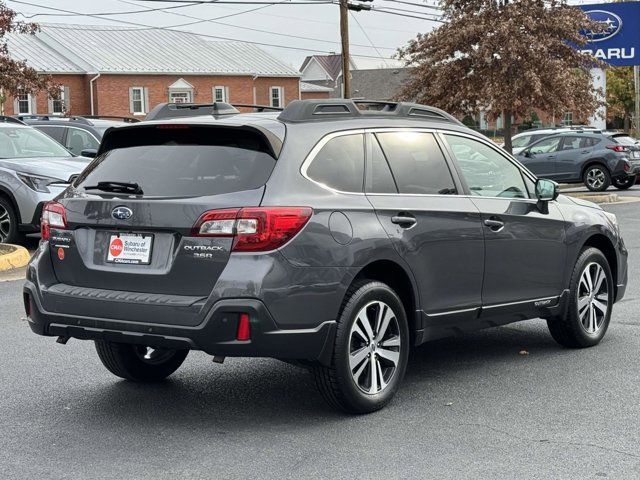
618	42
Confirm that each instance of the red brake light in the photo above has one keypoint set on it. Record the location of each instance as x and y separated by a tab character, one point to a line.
254	229
618	148
244	328
53	215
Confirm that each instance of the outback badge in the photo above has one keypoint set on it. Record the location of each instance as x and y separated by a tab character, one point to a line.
122	213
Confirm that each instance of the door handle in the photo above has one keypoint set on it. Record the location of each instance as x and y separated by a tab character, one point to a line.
584	151
404	220
494	224
551	156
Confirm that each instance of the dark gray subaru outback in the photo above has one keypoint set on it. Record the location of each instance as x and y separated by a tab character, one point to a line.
334	234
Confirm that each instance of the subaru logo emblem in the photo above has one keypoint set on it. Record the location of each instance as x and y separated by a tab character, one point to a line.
122	213
610	22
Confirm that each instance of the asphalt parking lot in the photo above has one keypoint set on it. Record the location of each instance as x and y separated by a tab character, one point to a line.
470	407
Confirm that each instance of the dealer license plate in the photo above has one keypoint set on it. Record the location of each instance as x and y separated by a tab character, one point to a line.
130	248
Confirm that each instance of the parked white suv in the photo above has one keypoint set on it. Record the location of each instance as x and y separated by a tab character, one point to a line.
34	168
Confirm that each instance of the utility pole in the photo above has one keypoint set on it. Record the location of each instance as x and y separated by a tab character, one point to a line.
344	35
345	6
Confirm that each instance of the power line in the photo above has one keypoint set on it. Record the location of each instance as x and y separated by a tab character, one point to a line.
242	27
106	14
407	15
367	36
169	29
422	5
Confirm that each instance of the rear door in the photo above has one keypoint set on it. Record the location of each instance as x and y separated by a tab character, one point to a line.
144	242
572	153
525	248
436	230
540	158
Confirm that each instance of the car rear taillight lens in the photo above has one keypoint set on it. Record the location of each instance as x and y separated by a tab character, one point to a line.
253	229
618	148
244	328
53	216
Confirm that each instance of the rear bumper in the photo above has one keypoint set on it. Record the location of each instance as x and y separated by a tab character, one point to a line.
216	335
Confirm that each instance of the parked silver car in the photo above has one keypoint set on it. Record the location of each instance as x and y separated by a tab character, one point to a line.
34	168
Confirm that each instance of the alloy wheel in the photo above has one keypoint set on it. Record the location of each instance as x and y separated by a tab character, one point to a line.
5	224
593	298
374	347
596	178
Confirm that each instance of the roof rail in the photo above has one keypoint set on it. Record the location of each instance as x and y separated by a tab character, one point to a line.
257	108
175	110
8	119
335	109
112	117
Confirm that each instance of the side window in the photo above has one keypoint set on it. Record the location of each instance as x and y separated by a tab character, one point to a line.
379	177
546	146
340	164
521	142
486	171
57	133
417	163
78	140
572	143
587	142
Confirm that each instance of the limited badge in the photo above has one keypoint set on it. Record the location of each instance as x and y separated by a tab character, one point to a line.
61	253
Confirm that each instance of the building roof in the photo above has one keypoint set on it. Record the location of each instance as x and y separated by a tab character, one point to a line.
378	84
332	64
123	50
306	87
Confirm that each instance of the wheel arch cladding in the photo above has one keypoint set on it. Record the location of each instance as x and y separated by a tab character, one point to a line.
604	244
396	277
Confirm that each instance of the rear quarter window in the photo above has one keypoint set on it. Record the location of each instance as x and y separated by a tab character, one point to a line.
340	164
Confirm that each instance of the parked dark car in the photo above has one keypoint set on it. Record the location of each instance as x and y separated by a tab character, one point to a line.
327	234
80	135
596	159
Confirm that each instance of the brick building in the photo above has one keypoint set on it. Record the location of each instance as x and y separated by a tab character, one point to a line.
127	71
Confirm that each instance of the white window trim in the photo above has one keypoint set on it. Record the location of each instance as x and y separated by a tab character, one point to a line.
181	90
144	107
29	103
225	93
280	96
61	99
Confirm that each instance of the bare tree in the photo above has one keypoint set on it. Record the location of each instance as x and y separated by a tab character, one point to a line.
504	58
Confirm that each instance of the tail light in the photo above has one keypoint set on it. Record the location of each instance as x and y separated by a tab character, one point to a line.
618	148
244	328
253	229
53	215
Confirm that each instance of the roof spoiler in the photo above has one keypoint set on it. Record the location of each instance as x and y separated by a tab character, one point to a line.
166	110
336	109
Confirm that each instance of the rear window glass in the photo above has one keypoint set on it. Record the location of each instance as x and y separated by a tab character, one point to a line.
179	165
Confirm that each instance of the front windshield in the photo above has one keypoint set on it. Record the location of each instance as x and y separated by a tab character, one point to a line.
25	142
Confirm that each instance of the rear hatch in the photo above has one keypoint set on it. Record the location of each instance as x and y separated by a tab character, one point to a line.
141	239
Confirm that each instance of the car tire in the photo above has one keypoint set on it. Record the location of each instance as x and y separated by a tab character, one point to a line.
597	178
361	378
8	222
137	362
624	183
587	314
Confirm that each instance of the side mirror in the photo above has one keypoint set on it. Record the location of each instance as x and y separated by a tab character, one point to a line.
546	190
89	153
527	153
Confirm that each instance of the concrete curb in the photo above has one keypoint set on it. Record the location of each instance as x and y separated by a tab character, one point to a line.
13	256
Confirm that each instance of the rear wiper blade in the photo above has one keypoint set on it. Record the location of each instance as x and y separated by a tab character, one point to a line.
117	187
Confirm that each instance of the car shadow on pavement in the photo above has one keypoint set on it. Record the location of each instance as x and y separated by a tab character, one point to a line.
262	393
